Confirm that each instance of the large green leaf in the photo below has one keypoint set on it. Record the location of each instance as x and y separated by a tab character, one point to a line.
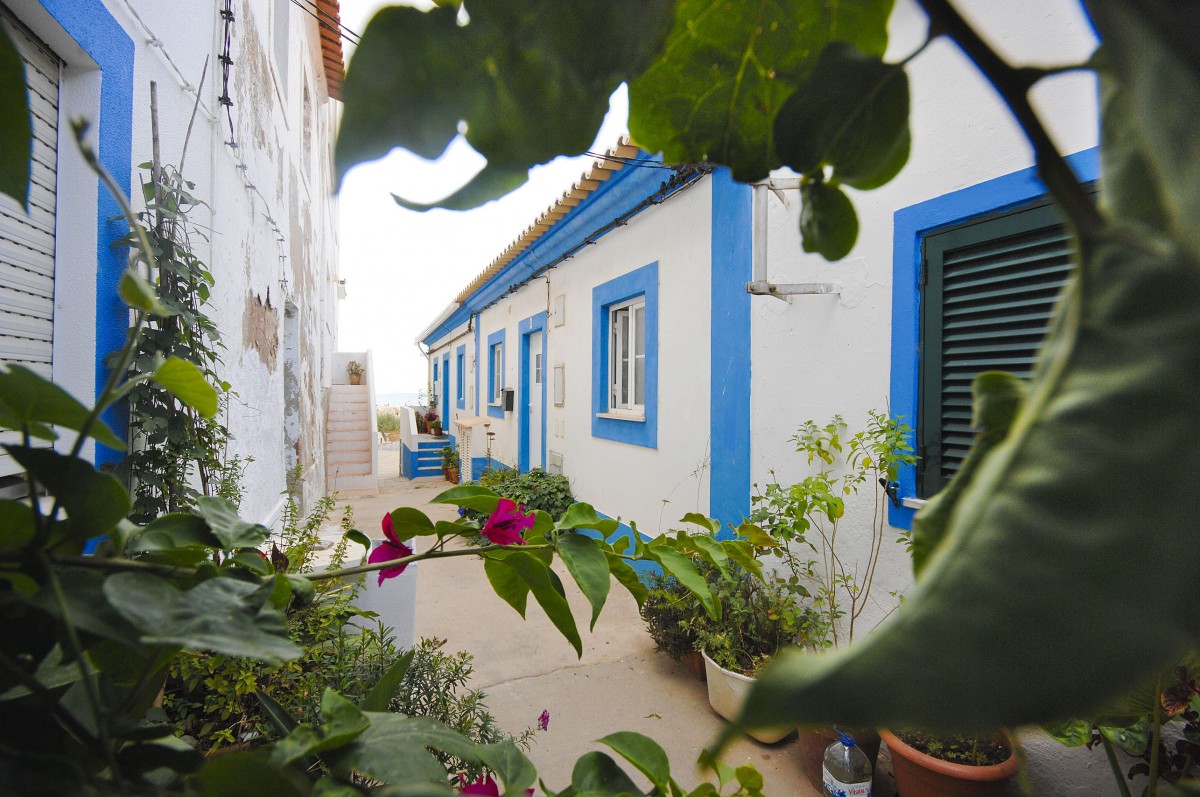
644	753
416	75
511	765
393	749
139	294
828	223
408	522
469	496
173	531
226	526
16	133
584	516
385	688
596	774
341	723
1050	549
685	572
94	501
16	524
548	591
727	69
506	582
1149	58
628	577
186	381
222	615
851	114
247	773
27	398
588	566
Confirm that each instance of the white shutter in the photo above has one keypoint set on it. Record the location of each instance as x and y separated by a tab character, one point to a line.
27	240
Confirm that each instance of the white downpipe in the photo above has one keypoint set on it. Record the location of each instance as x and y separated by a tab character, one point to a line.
761	286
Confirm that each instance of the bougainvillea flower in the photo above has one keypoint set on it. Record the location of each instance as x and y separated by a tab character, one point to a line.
486	786
508	523
390	548
544	720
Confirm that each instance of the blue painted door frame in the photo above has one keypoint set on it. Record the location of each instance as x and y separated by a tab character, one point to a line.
535	323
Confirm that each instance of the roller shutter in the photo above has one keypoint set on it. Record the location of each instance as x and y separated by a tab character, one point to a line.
988	293
27	240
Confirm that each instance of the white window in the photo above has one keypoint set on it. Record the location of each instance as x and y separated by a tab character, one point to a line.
497	374
627	356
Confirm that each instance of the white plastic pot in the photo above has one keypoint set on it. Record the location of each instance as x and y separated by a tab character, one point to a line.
726	693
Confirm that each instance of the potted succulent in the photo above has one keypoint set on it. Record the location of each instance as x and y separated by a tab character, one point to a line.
805	519
951	766
450	464
354	370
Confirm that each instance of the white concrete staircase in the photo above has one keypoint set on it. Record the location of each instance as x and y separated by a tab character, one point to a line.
350	439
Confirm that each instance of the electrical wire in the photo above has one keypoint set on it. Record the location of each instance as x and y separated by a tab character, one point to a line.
336	25
640	164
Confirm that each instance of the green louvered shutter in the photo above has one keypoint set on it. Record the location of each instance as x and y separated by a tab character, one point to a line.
988	292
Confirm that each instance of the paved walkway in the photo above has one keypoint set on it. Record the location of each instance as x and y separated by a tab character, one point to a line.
526	666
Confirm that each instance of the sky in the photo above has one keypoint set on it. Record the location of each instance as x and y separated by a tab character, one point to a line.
403	268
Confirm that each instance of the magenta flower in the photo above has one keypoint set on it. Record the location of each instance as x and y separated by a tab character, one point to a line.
507	523
544	720
391	548
485	786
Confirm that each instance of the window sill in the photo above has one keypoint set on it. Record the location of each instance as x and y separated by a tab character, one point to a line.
913	503
623	416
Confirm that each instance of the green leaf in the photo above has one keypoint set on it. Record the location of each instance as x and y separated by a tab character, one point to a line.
712	551
469	496
852	114
277	714
584	516
354	535
415	75
53	671
139	294
511	765
644	753
252	561
1152	92
27	398
596	773
1132	739
83	593
727	68
408	522
707	523
341	723
685	572
1072	733
222	615
94	501
16	132
1044	566
380	696
485	186
16	524
749	777
628	577
743	553
548	592
186	381
227	527
506	582
164	753
393	750
302	588
828	223
247	773
756	536
589	567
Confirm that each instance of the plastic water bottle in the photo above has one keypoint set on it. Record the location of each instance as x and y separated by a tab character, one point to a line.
847	770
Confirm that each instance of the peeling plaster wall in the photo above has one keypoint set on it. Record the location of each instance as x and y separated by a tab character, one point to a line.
257	274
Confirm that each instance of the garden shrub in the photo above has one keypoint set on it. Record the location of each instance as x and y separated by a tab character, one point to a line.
387	423
535	489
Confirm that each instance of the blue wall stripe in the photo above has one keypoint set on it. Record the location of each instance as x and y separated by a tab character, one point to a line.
477	368
106	42
729	397
911	225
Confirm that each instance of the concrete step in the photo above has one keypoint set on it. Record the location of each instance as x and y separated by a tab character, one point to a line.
423	472
360	433
353	455
347	469
358	392
357	443
348	414
342	482
351	425
423	445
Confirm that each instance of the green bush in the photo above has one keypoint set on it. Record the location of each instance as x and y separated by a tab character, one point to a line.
666	611
535	489
387	423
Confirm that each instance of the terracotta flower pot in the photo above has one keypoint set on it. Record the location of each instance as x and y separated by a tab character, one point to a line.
355	379
452	475
921	775
694	663
814	742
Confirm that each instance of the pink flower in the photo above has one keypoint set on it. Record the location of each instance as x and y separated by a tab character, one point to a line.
544	720
391	548
507	523
486	786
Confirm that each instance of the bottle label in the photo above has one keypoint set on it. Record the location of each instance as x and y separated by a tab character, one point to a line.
835	788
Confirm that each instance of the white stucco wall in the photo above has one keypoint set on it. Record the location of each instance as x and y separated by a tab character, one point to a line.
256	274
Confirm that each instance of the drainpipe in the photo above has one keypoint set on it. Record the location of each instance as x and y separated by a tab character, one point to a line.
761	286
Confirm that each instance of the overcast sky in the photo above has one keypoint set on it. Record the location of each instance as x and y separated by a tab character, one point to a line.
403	268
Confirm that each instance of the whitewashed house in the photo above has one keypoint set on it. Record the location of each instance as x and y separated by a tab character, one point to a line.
260	155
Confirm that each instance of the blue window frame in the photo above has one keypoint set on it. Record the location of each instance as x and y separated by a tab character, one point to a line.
495	352
460	372
913	225
625	358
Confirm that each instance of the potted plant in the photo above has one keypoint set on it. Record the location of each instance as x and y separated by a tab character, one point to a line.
434	423
354	370
805	518
926	765
450	464
758	617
